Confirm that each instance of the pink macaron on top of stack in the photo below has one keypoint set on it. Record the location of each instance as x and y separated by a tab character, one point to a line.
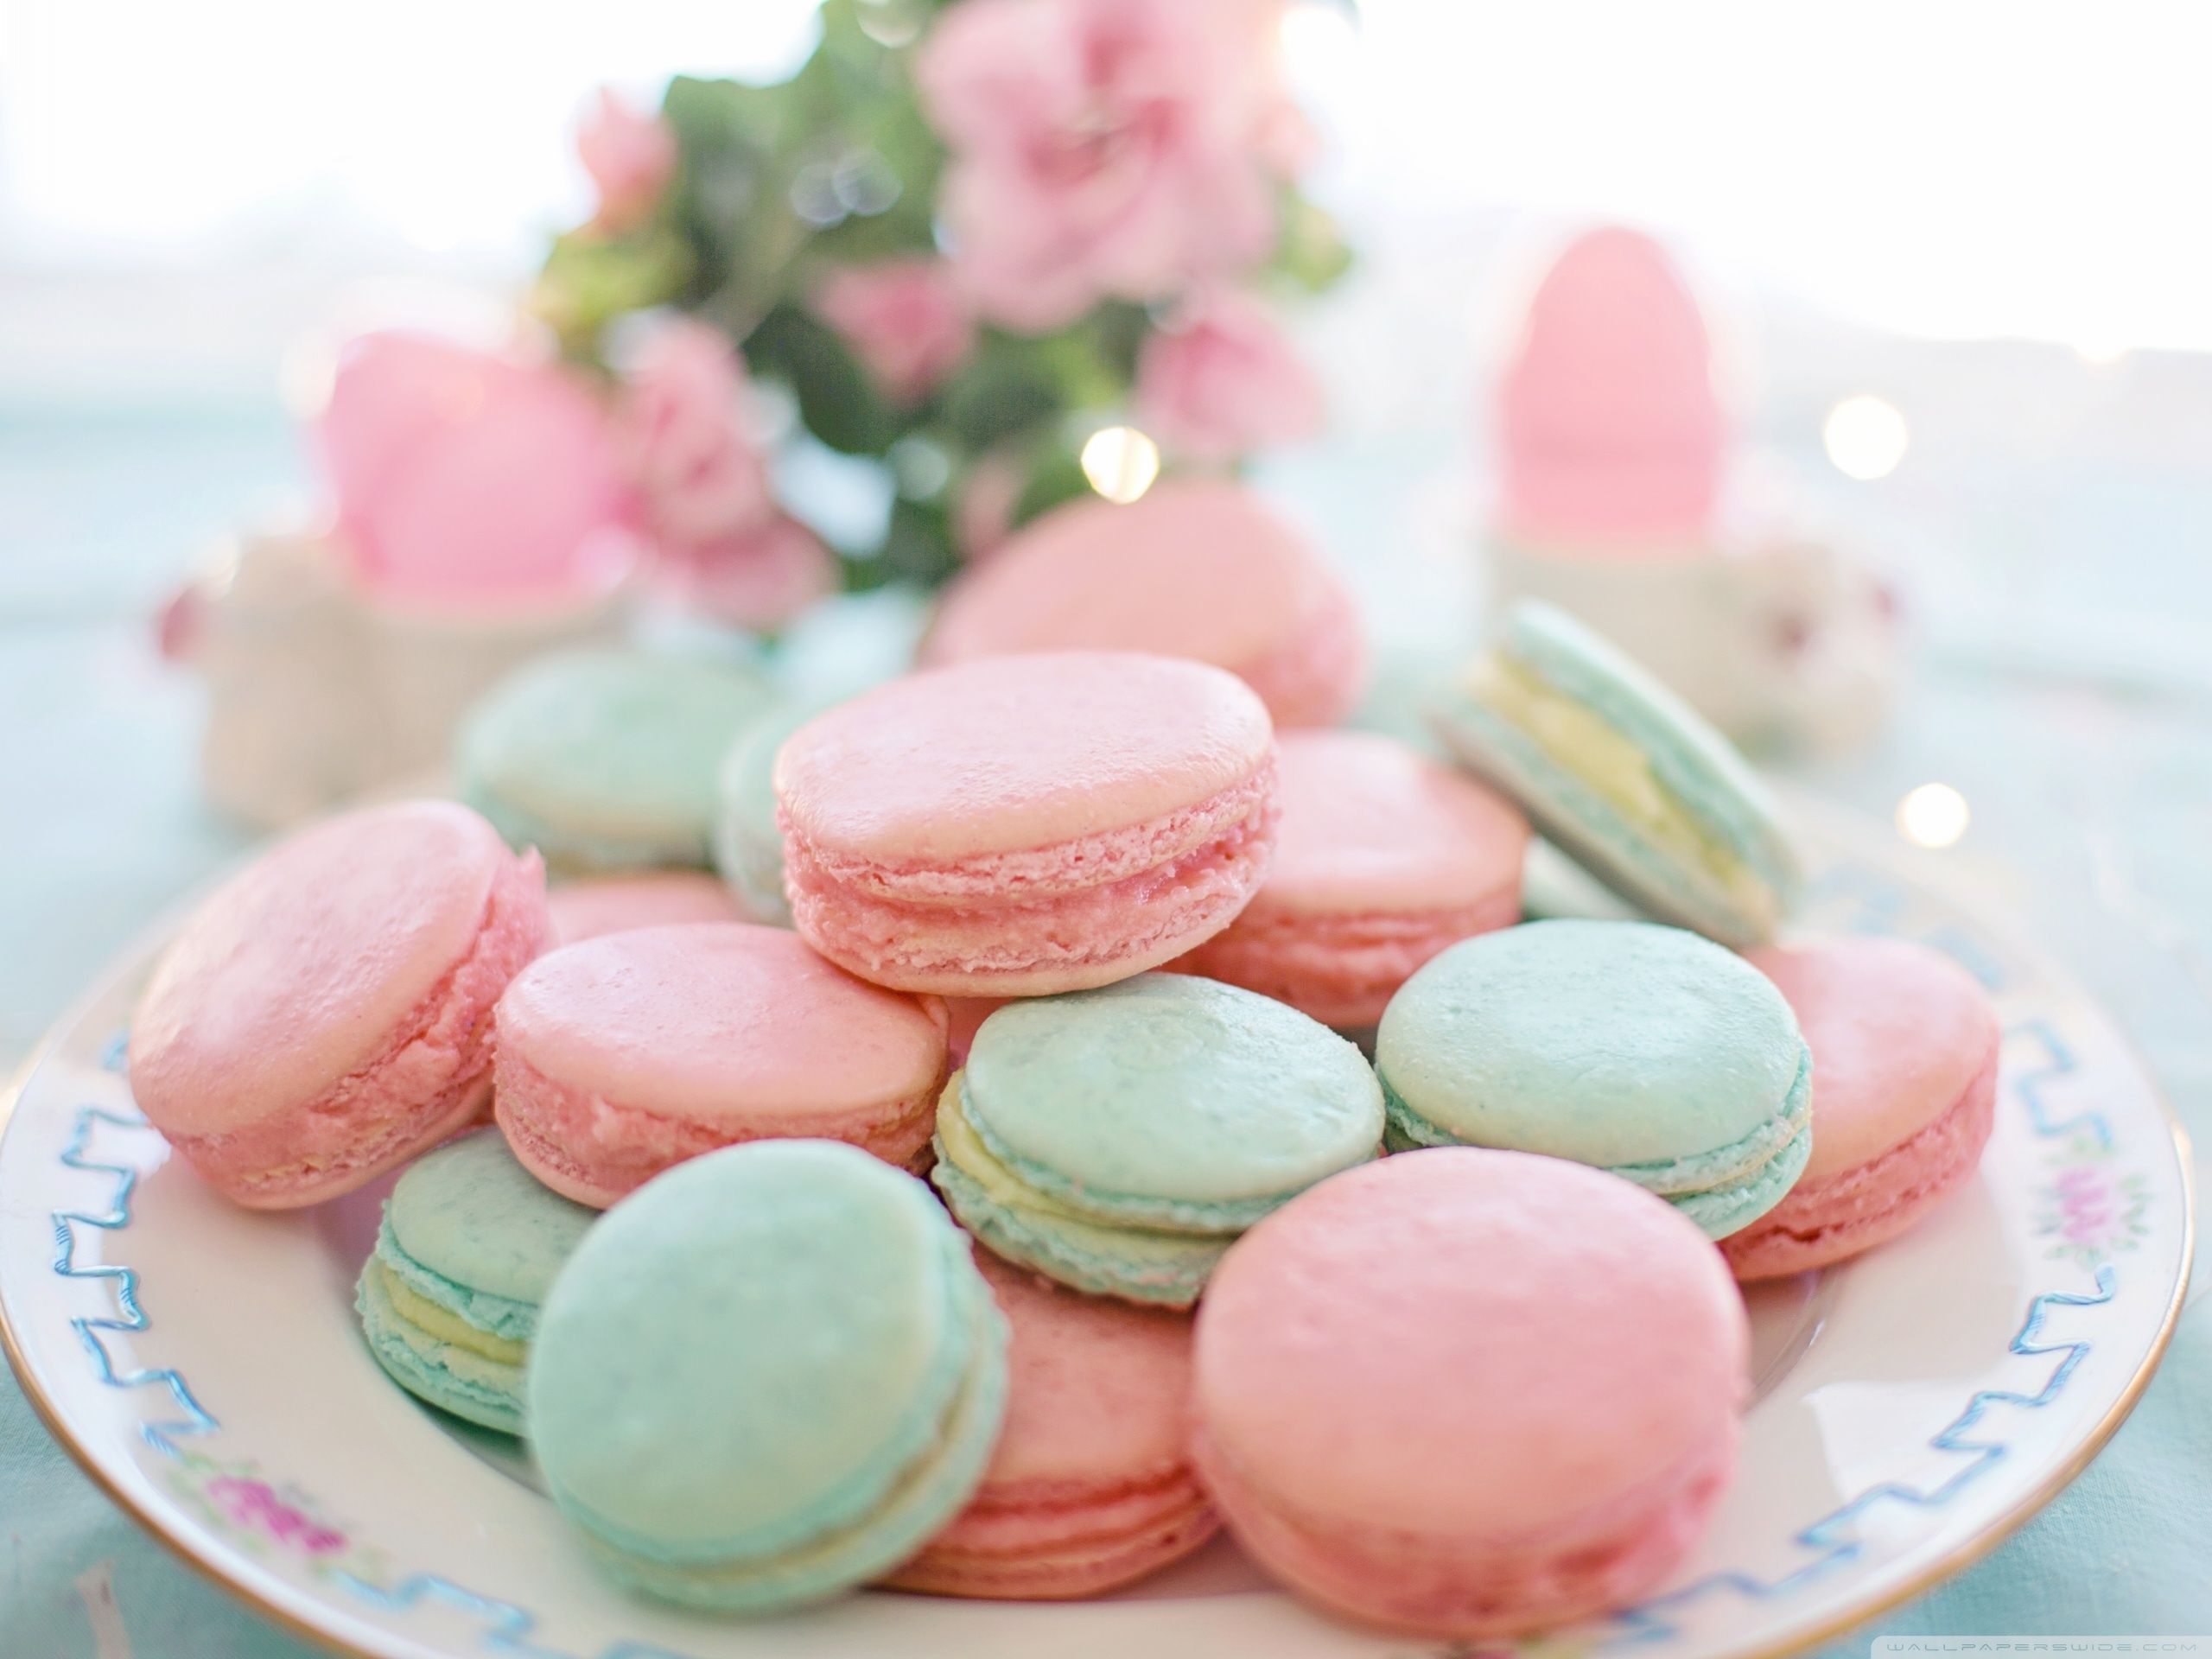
331	1003
585	910
1202	570
1611	434
1897	1033
718	1020
1017	753
1484	1346
1369	825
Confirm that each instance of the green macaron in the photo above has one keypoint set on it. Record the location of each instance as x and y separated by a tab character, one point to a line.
1642	1050
767	1376
1624	775
468	1246
1119	1140
606	760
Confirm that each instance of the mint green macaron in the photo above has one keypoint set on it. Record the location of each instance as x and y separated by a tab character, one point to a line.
1119	1140
606	760
767	1376
748	844
469	1245
1642	1049
1622	774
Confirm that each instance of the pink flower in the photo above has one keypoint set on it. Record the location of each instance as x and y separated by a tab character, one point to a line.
684	437
904	318
1223	382
759	578
1100	148
463	476
254	1505
630	158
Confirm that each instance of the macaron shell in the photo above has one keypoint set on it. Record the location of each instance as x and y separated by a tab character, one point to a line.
607	759
1169	1099
484	1391
585	910
1013	753
716	1022
1201	569
1898	1032
1563	1339
1369	825
310	964
1611	1043
472	1215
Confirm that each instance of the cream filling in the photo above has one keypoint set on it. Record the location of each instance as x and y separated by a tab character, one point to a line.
442	1323
1609	764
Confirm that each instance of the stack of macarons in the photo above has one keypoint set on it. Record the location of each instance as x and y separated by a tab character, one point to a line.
933	1091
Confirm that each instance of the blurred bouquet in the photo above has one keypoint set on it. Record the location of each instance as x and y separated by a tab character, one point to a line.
965	237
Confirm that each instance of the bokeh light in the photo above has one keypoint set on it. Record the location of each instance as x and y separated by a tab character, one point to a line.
1934	815
1865	438
1121	463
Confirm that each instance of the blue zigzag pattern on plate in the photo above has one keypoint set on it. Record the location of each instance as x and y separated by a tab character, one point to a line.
196	1419
2058	1062
1879	908
506	1628
1830	1535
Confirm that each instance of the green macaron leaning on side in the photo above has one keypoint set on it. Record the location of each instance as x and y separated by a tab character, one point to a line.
768	1375
1119	1140
606	760
468	1246
1645	1050
1623	775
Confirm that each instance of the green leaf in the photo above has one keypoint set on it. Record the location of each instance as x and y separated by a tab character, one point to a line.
836	398
1005	388
917	546
1311	251
588	280
1055	478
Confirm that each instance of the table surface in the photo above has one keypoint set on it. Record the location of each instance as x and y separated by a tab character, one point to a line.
2087	764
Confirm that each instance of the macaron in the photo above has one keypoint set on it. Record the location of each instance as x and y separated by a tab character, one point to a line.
1200	569
1468	1394
619	904
770	1374
1904	1091
1383	858
627	1053
326	1014
605	759
748	842
1642	1049
1022	825
1117	1140
1090	1486
468	1246
1624	775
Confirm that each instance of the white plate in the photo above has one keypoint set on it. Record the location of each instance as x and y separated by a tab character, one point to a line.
202	1363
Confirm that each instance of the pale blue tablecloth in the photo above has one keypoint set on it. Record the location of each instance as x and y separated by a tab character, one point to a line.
2092	791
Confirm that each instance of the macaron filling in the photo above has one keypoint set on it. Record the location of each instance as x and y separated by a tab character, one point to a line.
595	1150
430	1079
1722	1189
1129	899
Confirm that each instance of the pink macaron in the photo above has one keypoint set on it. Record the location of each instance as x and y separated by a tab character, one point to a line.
1021	825
1383	859
1904	1091
1090	1485
1467	1393
619	904
326	1013
623	1055
1202	569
